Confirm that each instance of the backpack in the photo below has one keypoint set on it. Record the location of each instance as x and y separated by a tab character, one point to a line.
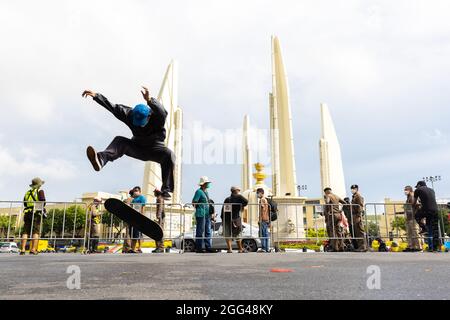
273	209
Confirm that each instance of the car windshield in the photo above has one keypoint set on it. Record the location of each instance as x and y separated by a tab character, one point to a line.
5	245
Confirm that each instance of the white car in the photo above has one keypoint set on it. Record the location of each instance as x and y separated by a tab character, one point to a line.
249	236
9	247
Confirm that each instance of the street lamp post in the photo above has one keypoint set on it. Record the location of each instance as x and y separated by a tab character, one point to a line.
303	187
432	179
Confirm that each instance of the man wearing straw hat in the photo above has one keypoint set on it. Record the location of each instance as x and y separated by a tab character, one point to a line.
202	216
32	215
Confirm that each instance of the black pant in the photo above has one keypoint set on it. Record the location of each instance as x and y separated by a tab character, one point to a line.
432	227
154	151
93	243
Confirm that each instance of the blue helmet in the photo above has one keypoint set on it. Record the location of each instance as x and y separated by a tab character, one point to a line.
140	115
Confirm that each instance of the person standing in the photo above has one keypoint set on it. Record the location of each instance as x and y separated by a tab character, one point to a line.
94	228
231	220
264	220
127	240
357	224
346	208
160	216
147	123
138	203
33	213
202	216
412	228
332	220
429	211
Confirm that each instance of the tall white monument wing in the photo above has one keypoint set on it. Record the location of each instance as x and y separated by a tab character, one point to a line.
283	159
331	169
168	96
246	156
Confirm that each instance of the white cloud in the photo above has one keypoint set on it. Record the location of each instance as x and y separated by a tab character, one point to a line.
434	137
382	66
33	164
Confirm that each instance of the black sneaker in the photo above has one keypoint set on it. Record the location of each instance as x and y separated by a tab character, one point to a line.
93	158
166	195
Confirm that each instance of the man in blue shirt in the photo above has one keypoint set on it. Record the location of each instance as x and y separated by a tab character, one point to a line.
138	203
202	216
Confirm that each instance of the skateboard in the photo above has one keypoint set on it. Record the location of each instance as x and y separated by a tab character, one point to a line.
134	218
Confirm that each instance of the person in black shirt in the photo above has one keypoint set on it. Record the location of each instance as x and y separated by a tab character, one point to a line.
429	211
148	142
231	217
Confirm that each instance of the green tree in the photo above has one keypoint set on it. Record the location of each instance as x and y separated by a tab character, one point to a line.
5	221
443	221
73	220
110	220
399	223
319	233
373	229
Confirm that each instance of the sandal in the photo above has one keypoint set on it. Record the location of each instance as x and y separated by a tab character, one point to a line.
34	253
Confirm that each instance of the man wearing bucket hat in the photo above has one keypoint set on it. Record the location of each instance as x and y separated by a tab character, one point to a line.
202	216
147	144
33	213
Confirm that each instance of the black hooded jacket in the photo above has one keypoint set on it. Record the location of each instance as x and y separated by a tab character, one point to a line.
154	130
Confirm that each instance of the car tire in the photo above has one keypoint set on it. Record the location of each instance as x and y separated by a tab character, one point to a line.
189	245
249	245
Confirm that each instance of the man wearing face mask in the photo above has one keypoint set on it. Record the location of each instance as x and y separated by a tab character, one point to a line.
203	210
264	220
358	211
147	144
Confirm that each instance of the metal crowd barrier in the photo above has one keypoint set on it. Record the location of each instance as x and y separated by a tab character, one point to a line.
389	222
51	221
290	226
318	226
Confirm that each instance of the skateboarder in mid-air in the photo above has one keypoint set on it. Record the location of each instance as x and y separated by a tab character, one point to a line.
147	144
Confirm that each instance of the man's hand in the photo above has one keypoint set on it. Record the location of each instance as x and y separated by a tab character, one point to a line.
145	93
87	93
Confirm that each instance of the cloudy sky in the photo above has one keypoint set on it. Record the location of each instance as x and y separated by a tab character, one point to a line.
382	67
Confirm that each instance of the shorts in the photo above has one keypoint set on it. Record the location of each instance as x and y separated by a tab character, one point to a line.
231	228
29	220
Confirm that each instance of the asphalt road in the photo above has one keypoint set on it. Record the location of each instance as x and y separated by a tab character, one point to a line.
227	276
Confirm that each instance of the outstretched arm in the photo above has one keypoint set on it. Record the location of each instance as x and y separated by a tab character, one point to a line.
118	110
153	103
